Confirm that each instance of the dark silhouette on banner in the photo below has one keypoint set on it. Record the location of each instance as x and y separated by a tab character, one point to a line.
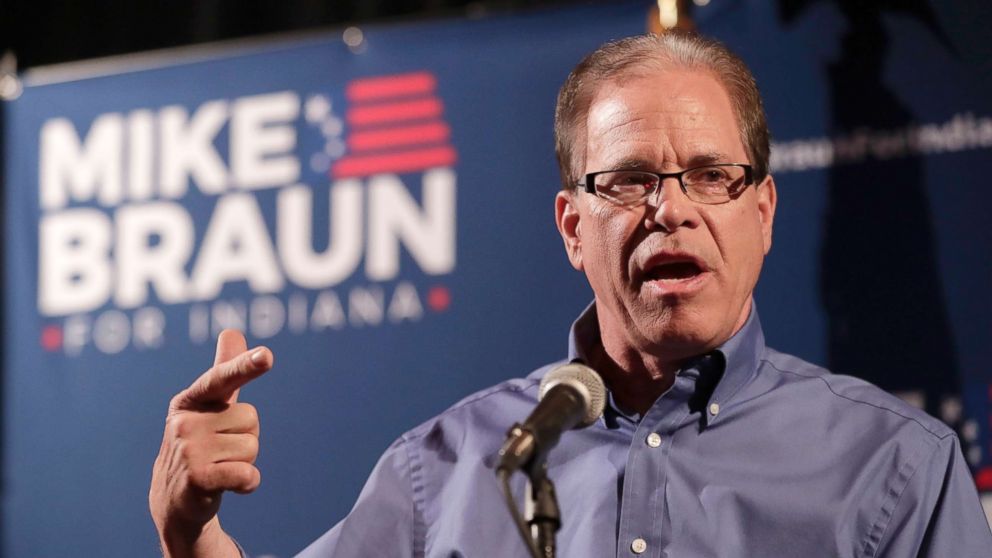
887	318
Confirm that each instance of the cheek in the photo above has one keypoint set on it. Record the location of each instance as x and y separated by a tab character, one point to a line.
607	243
750	251
742	244
619	240
603	228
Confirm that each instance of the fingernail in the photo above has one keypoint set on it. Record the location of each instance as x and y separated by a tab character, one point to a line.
258	357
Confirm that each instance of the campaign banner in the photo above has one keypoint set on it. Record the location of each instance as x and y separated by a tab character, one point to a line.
379	213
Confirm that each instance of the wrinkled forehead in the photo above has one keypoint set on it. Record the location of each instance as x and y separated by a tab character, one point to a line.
668	116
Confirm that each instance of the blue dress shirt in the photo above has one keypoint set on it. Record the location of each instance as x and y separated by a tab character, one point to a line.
751	453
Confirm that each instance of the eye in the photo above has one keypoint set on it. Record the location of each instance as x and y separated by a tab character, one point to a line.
625	187
622	179
713	184
708	176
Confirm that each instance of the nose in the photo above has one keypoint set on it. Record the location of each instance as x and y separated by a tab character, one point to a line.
668	208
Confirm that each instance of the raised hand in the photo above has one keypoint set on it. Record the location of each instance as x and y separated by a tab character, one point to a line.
210	445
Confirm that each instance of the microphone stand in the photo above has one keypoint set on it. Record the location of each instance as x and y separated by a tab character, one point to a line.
547	517
539	531
572	399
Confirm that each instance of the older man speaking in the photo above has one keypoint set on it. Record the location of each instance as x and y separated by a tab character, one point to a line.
712	444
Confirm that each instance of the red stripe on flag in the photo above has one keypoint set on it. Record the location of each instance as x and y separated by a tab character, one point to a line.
416	83
434	132
395	162
389	112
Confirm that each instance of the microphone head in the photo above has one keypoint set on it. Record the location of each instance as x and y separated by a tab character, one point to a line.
584	380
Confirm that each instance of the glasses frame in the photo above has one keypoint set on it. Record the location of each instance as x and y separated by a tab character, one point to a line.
590	182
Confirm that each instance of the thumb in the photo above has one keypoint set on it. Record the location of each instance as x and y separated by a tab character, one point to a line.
221	383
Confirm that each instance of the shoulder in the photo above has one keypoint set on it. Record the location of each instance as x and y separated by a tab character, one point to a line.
846	398
479	420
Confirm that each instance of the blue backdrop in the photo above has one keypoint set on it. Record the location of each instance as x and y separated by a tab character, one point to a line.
381	217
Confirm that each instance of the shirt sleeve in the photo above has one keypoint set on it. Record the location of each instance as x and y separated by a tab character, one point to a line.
938	513
381	523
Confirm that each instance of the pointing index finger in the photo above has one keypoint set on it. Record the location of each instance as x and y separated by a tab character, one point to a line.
230	343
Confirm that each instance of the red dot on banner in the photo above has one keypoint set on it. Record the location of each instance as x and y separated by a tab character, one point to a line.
983	479
439	298
51	338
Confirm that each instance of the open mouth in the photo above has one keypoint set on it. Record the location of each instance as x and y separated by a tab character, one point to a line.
673	271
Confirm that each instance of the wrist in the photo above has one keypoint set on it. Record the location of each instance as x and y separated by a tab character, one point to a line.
191	541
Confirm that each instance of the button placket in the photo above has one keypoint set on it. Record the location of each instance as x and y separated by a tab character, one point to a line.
642	516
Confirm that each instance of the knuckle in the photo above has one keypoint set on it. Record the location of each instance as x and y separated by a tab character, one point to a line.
242	365
252	446
186	451
179	426
250	413
244	475
222	369
226	373
212	375
177	400
248	478
184	400
190	425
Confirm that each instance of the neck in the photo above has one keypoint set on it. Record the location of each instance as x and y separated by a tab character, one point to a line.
635	381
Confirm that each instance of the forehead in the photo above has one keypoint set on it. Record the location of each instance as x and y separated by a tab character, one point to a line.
667	118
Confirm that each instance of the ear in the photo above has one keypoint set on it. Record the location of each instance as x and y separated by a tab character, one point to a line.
569	226
767	197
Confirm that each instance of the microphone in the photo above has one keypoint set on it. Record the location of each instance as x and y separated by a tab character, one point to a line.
571	396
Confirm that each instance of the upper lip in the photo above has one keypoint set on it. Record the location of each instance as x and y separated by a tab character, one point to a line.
669	257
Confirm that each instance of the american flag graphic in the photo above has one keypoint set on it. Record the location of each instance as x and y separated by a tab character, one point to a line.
394	124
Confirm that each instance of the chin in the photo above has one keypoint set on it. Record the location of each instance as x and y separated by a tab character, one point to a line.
686	328
678	335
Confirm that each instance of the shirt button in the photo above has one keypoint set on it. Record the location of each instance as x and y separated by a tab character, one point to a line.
714	409
638	546
654	440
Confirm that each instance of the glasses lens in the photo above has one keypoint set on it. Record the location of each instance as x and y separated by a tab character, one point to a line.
713	184
625	187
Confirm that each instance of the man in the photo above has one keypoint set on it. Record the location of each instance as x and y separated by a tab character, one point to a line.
711	445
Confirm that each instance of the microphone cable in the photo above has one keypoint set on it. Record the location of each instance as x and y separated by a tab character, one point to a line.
518	519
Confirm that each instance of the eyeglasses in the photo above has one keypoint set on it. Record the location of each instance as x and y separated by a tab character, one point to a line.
710	184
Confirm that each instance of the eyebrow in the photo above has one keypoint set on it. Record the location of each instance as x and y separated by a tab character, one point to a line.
702	159
631	164
711	158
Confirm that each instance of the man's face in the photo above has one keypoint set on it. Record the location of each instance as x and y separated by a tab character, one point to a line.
672	278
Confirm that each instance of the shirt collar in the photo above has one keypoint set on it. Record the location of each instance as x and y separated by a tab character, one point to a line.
741	355
718	375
